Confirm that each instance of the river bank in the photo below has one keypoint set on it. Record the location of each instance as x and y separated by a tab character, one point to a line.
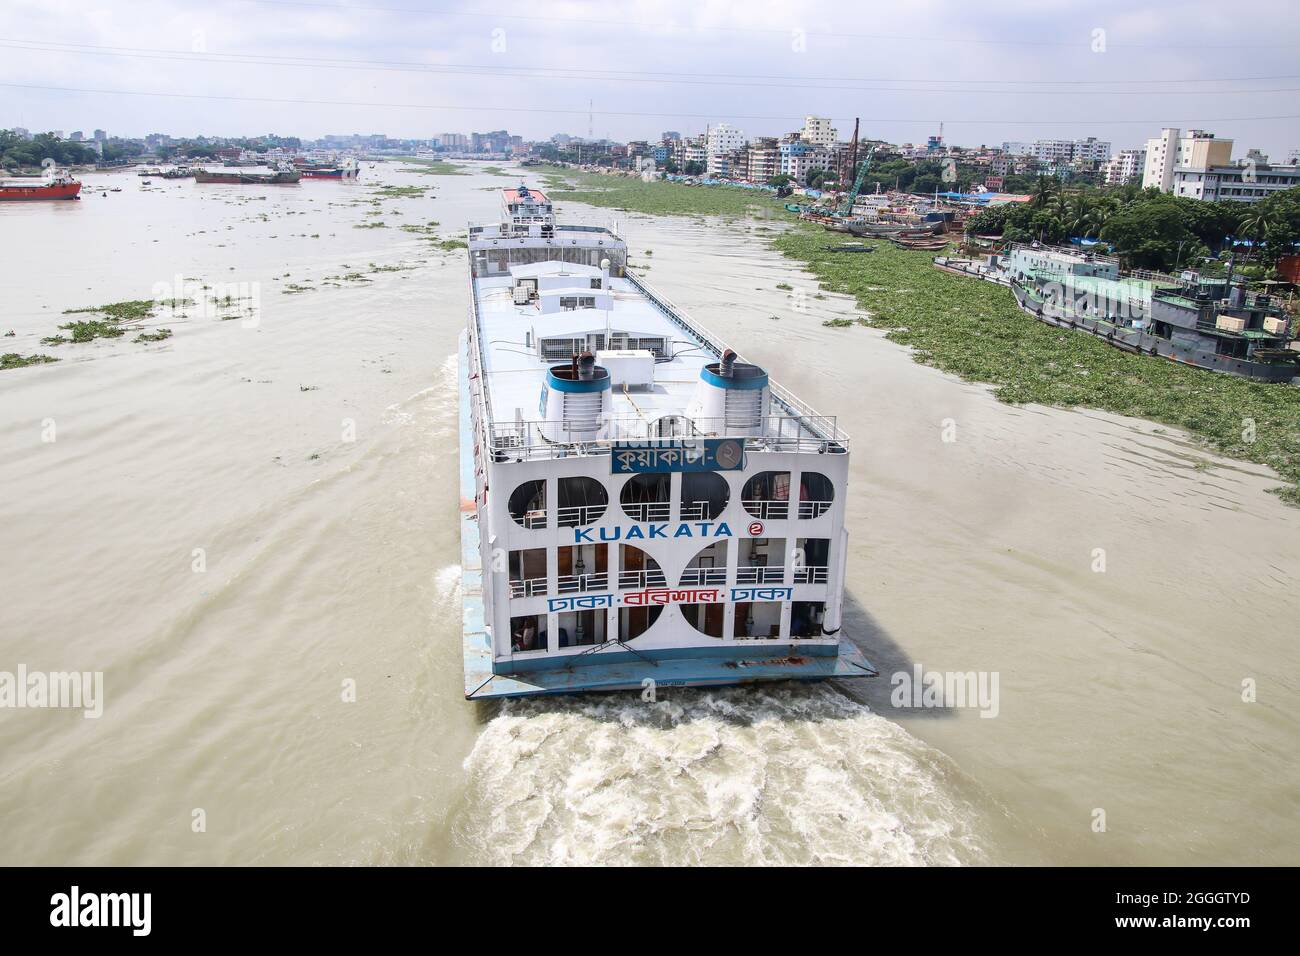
976	331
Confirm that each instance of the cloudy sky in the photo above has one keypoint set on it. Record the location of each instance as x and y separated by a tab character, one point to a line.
1003	70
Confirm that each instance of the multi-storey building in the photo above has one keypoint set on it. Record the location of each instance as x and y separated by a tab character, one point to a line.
818	131
1198	150
1124	167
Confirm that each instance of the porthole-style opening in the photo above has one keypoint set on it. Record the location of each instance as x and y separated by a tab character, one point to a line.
645	497
709	567
638	569
527	504
816	494
635	621
767	495
582	501
705	618
704	495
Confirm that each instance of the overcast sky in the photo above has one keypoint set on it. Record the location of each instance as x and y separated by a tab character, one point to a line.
994	71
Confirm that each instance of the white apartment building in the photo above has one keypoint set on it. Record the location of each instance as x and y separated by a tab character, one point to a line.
798	159
1245	181
1124	167
724	138
1171	150
818	131
1090	150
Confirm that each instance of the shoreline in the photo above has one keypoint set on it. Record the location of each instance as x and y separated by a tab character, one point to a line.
975	330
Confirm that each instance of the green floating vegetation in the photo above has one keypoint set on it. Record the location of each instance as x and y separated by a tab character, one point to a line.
451	244
401	192
155	336
428	231
495	171
785	286
130	311
659	197
378	224
975	330
433	167
86	331
14	360
293	288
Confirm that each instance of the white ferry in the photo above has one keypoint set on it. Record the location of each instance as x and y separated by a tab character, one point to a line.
639	504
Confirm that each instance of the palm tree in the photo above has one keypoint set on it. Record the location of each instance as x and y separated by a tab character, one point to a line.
1255	226
1044	190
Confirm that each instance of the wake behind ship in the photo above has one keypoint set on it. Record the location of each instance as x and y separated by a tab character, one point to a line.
638	503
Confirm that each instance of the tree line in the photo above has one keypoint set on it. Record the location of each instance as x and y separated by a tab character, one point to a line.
1149	229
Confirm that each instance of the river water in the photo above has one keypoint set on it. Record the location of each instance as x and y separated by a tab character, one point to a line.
251	529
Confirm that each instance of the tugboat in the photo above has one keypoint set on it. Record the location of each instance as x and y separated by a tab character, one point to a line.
640	505
54	184
312	170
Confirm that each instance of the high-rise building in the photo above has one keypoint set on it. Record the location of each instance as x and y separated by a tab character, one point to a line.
1171	150
100	136
818	131
723	140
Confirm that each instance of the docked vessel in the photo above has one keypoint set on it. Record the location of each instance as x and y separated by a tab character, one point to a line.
277	177
55	184
316	170
639	504
1213	323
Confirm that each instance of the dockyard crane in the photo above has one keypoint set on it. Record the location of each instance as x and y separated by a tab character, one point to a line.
846	208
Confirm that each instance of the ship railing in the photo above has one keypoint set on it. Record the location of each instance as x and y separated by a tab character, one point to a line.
574	583
527	587
698	511
642	579
579	515
824	425
531	520
810	574
813	509
523	440
647	510
701	576
768	510
760	575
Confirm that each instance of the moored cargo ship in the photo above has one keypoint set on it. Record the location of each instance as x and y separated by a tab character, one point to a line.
277	177
639	503
53	185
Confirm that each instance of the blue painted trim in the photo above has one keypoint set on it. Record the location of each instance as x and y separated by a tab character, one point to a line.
568	385
757	381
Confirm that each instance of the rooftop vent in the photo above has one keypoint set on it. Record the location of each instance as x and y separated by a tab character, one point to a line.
576	400
731	397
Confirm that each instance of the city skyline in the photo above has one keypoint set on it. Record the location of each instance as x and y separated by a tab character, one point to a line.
1016	73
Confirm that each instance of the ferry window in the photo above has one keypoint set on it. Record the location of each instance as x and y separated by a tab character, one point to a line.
527	572
528	504
580	628
767	495
568	302
705	618
586	302
758	619
635	621
704	495
638	569
646	497
816	495
528	633
595	283
806	618
811	560
708	568
582	501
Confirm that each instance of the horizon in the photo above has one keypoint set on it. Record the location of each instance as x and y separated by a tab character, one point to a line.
242	68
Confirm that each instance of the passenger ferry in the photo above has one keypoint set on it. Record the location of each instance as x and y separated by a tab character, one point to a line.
639	504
